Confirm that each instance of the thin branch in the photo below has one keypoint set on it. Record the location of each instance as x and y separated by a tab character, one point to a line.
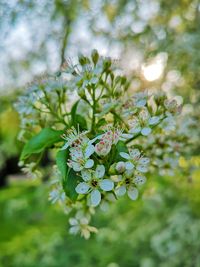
67	26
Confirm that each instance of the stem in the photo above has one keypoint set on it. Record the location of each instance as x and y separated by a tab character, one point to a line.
67	24
60	119
93	110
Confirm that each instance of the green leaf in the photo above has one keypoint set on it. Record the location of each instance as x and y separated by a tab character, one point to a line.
81	121
74	109
101	122
78	119
69	178
44	139
61	161
70	184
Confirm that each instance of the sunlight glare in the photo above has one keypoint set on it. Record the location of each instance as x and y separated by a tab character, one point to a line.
153	71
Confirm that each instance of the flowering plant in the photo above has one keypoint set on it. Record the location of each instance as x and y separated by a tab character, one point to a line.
105	137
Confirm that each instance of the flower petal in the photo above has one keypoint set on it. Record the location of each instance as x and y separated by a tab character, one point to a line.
142	168
89	151
76	166
94	139
65	146
154	120
141	103
73	221
144	161
126	136
120	191
125	155
135	130
82	188
129	166
100	171
95	198
74	229
133	193
86	175
135	154
89	163
140	180
106	185
146	131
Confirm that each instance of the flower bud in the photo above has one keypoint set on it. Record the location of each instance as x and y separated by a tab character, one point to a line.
95	56
160	98
81	92
120	167
112	169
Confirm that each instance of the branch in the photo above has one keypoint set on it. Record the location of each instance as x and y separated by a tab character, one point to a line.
67	25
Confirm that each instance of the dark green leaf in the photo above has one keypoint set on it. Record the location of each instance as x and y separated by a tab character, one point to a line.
69	177
70	184
81	121
101	122
74	109
77	119
61	161
44	139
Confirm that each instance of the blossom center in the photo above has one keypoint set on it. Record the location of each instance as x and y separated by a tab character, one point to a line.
94	183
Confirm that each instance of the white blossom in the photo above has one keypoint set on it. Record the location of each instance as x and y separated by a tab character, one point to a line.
94	182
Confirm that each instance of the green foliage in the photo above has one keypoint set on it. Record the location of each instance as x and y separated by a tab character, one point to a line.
162	229
61	159
69	177
44	139
71	183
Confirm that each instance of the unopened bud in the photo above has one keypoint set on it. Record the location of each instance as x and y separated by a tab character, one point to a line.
120	167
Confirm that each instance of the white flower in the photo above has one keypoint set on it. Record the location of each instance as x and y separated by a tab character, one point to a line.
30	170
93	181
131	178
171	105
135	127
74	137
80	224
79	157
57	195
135	161
142	124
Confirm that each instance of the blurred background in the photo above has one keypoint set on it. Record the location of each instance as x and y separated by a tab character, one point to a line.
157	43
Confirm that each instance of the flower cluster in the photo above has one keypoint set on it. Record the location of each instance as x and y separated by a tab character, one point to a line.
112	138
105	173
